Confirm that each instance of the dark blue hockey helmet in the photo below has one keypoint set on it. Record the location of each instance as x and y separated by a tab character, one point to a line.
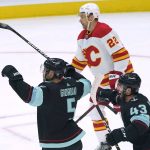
57	65
130	80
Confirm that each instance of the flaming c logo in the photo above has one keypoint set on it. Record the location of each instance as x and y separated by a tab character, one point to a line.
87	53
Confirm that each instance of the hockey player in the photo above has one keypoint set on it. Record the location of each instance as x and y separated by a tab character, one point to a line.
55	98
100	48
135	112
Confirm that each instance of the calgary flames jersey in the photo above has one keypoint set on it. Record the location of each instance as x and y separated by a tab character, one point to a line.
102	51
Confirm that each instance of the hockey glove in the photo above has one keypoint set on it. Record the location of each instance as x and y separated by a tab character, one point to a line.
106	95
116	136
113	77
69	70
11	72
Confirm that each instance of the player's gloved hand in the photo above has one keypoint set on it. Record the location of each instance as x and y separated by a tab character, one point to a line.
69	70
11	72
116	136
106	95
113	77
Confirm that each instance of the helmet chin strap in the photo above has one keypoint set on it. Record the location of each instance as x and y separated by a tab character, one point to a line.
88	26
89	23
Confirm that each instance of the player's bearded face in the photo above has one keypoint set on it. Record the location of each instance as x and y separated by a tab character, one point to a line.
123	91
47	74
83	20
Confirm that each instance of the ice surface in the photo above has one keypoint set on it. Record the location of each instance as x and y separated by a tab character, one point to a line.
57	37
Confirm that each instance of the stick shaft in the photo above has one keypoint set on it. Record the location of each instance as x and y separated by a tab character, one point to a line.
32	45
106	124
85	113
5	26
112	109
95	86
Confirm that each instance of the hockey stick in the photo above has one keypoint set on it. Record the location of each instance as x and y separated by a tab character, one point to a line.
112	109
106	124
91	108
95	86
5	26
85	113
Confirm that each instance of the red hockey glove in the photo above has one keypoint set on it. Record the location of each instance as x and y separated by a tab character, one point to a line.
113	77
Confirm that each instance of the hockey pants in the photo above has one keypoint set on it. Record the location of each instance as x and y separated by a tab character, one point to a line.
98	124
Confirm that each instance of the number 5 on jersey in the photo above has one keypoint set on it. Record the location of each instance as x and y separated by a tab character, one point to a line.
70	107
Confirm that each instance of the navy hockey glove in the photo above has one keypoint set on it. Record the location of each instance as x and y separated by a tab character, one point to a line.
11	72
106	95
69	70
116	136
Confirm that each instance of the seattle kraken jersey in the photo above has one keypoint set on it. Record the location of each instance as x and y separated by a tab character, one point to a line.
56	104
136	109
136	113
56	126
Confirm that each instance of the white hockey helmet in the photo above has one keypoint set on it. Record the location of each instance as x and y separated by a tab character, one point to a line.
90	8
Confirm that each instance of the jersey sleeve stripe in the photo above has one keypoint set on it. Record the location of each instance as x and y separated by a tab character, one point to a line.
105	80
120	55
121	58
87	86
143	118
77	67
99	125
129	68
81	62
29	95
37	97
78	64
63	144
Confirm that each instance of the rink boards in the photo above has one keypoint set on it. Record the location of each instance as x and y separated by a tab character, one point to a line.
66	7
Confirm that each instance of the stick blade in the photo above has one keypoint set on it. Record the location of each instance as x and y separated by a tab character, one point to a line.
4	26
